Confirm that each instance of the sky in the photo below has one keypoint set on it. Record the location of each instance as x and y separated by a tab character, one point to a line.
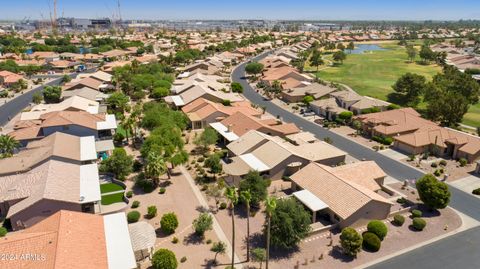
247	9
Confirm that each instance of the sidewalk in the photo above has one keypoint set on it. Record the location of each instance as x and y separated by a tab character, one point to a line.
216	227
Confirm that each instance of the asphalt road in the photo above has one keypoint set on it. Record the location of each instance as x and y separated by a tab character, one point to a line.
18	104
460	200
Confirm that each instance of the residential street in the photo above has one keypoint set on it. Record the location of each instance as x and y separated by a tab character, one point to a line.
461	201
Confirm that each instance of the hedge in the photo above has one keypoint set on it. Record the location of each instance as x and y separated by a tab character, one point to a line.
378	227
383	140
476	191
371	242
398	220
419	224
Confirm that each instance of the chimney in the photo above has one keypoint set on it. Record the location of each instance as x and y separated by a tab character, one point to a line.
229	128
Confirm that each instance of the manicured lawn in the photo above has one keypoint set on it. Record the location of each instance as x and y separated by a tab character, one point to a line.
112	198
110	187
374	73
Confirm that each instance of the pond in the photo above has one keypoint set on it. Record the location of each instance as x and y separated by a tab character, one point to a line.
361	48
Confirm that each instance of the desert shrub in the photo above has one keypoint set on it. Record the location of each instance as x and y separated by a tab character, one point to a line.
223	205
383	140
129	194
416	213
201	159
133	216
174	240
135	204
169	223
419	224
162	190
378	227
434	165
476	191
371	242
151	211
443	162
183	259
3	231
463	162
402	200
437	173
164	259
398	220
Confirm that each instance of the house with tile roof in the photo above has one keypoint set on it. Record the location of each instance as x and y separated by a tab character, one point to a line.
8	78
63	241
275	157
345	195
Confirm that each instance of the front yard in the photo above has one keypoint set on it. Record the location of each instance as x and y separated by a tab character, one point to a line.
112	198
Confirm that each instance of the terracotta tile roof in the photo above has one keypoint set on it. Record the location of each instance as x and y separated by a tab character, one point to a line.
88	82
64	241
342	196
241	123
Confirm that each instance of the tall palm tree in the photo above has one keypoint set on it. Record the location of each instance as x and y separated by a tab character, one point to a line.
155	166
246	197
270	205
128	125
232	196
8	144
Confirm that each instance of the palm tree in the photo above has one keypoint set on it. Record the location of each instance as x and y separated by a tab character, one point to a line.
8	144
270	205
232	196
127	124
246	197
155	167
218	248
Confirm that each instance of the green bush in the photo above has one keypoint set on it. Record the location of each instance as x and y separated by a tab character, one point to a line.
416	213
383	140
151	211
371	242
174	240
434	165
201	159
162	190
223	205
476	191
135	204
164	259
463	162
443	162
3	231
133	216
169	223
402	200
419	224
183	259
398	220
378	227
437	173
129	194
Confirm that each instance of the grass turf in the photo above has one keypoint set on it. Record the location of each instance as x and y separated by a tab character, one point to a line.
112	198
110	187
374	73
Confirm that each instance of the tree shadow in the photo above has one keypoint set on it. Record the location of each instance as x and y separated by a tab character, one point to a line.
160	233
193	239
396	98
202	209
337	253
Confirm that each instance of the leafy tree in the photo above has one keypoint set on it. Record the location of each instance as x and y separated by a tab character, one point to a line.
411	53
412	87
169	223
256	185
202	224
236	87
307	99
357	125
345	116
290	223
208	137
118	102
232	196
339	56
426	54
52	94
160	92
119	163
340	46
316	59
254	68
350	46
66	79
219	248
164	259
159	114
213	162
432	192
270	206
216	191
8	144
259	255
450	95
37	98
351	241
